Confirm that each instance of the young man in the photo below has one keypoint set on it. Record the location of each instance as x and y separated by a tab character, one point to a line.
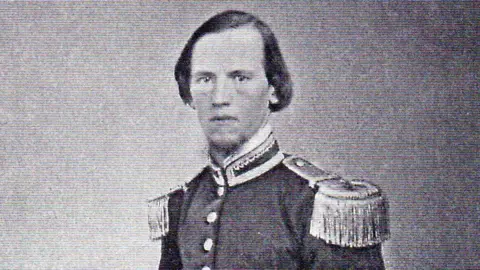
254	207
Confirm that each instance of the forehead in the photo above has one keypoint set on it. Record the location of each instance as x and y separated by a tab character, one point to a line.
236	47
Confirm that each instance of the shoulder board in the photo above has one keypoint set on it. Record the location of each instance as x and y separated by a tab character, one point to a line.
158	215
307	170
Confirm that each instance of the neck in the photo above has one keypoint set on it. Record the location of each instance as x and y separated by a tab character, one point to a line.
220	154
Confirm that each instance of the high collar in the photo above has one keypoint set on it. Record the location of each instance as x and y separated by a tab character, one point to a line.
255	157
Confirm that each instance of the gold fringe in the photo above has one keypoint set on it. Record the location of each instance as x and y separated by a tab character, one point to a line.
349	214
158	217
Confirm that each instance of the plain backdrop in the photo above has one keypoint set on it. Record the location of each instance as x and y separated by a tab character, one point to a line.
91	124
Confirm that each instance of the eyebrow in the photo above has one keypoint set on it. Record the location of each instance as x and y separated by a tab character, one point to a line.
203	74
241	72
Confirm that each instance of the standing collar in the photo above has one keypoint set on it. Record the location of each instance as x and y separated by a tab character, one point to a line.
255	157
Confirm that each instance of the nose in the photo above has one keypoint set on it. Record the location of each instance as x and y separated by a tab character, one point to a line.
222	93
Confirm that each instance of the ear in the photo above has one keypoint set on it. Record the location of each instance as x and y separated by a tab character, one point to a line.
273	98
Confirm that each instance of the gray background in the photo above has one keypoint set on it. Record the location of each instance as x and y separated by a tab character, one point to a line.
91	124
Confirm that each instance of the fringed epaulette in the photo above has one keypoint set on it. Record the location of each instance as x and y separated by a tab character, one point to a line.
158	213
347	213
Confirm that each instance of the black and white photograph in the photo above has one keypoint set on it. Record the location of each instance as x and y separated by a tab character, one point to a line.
239	135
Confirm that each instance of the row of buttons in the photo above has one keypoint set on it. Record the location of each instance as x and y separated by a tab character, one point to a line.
211	218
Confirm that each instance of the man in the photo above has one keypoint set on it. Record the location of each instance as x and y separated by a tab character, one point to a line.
254	207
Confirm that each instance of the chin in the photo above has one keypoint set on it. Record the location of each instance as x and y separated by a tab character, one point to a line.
226	142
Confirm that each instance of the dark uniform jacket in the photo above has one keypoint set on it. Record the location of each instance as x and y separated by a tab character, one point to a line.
256	213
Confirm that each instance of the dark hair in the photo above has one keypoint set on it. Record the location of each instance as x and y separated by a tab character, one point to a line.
275	68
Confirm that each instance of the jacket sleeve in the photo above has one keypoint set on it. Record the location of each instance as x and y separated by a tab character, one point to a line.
170	257
328	246
316	252
320	255
339	224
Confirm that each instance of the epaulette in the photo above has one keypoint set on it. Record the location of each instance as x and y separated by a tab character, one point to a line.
158	214
347	213
308	171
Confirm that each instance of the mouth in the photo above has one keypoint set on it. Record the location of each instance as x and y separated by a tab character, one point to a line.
223	118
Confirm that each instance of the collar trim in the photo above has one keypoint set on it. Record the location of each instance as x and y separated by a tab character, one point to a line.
255	172
256	157
261	158
259	138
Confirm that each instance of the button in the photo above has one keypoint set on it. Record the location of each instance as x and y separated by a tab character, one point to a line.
211	217
207	246
220	191
206	268
300	163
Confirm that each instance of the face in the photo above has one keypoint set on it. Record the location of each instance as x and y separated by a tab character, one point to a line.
229	88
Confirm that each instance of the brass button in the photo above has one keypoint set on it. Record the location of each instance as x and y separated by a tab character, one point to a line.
208	244
300	163
211	217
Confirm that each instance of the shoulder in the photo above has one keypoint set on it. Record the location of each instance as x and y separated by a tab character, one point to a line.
346	212
307	170
177	190
164	210
160	211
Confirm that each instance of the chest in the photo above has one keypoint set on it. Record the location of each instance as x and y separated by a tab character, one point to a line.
247	226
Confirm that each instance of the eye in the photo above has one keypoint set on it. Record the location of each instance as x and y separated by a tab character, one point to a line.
204	79
241	78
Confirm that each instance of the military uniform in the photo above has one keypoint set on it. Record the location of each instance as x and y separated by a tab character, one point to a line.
268	210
